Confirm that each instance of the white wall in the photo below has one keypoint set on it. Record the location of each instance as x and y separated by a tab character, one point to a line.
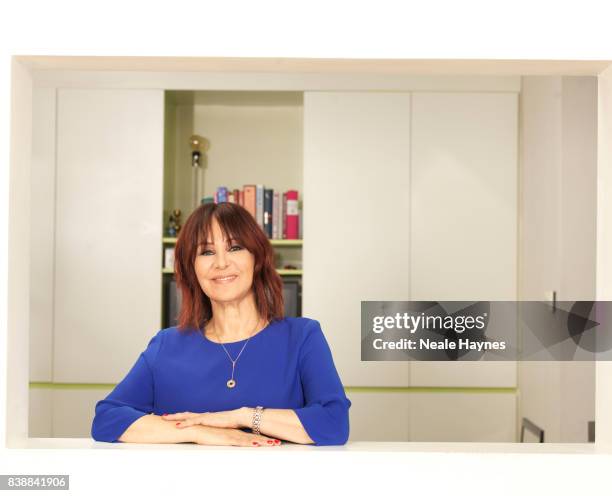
19	268
603	390
557	250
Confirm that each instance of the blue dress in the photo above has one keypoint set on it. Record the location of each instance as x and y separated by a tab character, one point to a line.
288	365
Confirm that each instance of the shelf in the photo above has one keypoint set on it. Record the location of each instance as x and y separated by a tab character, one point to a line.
273	242
282	272
286	242
289	272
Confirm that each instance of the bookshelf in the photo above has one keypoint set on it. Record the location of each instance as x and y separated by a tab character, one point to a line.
251	137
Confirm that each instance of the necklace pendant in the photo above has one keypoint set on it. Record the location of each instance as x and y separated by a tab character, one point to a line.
231	383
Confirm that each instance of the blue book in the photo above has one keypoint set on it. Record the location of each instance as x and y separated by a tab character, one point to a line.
221	194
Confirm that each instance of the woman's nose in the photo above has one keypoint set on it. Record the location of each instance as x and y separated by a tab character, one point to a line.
221	260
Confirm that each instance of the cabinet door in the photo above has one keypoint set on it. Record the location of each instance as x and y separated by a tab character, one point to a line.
356	198
108	230
458	416
464	215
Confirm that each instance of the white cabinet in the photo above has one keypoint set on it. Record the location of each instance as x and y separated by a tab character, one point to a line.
407	201
356	231
464	196
464	215
457	416
412	195
108	229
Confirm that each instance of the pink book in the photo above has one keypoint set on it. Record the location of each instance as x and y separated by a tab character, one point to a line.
292	214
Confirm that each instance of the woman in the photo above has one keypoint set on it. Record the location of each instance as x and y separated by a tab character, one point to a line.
234	371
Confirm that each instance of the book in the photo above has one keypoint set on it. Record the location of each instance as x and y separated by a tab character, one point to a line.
275	214
267	212
250	200
221	194
300	221
292	229
281	217
259	207
279	214
284	215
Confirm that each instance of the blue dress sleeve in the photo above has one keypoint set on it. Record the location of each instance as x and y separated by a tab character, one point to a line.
325	414
131	399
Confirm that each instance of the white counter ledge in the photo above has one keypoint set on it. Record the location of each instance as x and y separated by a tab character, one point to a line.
358	446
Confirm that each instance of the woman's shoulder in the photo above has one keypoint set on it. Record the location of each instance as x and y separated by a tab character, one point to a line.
176	334
299	323
301	327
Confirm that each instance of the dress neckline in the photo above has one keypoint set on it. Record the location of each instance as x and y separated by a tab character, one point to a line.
203	335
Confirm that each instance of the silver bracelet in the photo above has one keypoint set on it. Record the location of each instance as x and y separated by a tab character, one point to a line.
257	419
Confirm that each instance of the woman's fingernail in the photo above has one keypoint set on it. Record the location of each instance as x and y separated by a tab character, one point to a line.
164	414
178	423
276	441
270	441
255	443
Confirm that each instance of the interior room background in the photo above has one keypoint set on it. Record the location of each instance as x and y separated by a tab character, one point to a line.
448	188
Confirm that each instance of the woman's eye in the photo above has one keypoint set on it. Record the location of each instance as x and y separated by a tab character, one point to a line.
234	246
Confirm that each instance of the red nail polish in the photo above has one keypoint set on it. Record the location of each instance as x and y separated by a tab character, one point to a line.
178	423
270	441
255	443
277	441
164	414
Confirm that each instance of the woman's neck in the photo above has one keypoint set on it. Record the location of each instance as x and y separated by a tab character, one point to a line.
234	321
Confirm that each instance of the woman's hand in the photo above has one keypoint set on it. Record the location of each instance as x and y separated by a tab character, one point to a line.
231	419
216	436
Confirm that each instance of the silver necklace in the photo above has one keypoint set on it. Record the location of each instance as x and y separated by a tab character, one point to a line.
231	382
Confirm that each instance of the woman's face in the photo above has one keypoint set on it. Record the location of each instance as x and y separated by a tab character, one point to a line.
220	258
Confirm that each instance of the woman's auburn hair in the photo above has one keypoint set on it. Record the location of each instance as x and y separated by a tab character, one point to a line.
235	222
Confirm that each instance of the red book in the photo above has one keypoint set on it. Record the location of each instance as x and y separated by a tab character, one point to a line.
292	215
249	199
